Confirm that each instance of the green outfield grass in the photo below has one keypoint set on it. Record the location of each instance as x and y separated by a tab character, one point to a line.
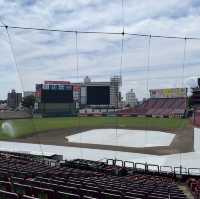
24	127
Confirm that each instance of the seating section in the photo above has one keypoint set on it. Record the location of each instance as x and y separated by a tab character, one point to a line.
196	118
27	178
165	107
194	185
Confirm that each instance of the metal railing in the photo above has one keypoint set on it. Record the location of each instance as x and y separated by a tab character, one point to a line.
149	168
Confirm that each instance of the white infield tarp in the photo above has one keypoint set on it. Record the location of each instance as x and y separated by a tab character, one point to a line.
123	137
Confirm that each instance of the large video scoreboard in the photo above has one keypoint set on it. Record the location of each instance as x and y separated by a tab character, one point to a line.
52	93
98	95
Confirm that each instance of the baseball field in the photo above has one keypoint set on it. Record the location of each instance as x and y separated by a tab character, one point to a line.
24	127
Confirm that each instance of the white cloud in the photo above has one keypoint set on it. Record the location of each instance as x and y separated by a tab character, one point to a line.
43	55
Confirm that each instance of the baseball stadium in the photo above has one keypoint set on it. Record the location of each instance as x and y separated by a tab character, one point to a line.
97	112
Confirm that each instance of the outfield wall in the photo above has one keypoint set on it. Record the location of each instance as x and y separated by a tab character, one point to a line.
5	115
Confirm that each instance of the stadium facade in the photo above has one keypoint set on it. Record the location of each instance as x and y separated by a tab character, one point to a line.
63	98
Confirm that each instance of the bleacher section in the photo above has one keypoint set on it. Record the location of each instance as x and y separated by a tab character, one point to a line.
159	107
24	177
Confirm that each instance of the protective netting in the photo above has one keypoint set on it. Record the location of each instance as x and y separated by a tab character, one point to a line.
103	67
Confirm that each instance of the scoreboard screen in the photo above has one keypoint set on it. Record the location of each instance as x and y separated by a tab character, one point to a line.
57	94
98	95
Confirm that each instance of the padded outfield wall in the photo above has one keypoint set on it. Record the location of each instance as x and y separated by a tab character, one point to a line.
57	109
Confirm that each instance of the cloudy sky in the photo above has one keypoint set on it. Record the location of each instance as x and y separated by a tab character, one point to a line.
43	55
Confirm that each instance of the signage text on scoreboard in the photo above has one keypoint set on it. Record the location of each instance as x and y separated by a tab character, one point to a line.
56	87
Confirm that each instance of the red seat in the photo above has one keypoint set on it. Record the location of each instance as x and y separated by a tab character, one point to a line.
43	193
88	192
22	189
67	189
63	195
88	197
5	186
28	197
105	195
8	195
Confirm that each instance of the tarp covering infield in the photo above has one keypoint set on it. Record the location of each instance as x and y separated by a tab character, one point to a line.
123	137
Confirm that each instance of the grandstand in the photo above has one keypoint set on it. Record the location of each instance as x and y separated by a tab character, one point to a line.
161	107
23	176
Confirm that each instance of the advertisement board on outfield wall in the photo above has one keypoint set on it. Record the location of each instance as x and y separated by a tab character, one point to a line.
168	93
